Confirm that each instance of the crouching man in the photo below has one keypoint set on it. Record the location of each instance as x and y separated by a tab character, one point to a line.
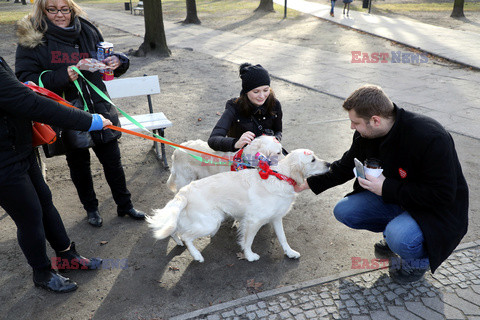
419	201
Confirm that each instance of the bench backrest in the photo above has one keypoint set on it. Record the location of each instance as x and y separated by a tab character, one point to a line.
131	87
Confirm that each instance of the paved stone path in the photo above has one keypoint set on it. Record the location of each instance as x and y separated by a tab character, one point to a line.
455	45
453	292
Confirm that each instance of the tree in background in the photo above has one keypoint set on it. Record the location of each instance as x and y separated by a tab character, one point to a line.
265	5
154	41
191	13
458	9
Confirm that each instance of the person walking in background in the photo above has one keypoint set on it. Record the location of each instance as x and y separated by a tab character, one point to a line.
254	113
332	8
54	37
419	201
24	195
346	5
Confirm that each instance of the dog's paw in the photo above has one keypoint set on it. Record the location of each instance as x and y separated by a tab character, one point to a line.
292	254
199	258
251	256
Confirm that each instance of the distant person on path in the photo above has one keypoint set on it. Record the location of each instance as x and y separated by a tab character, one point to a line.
24	195
419	202
346	5
54	37
332	8
254	113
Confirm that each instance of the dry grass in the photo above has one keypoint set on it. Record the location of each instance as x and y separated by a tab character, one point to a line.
424	7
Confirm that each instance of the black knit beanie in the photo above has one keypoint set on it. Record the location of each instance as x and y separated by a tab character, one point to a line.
253	77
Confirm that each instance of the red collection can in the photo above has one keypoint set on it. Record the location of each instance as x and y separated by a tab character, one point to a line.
104	50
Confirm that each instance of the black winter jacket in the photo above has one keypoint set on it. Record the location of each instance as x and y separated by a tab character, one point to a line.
423	175
51	50
233	123
18	107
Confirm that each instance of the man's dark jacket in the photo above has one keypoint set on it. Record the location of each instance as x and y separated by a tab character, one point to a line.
18	106
233	123
55	50
423	176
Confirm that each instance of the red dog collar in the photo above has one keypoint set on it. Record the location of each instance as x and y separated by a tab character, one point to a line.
237	161
265	171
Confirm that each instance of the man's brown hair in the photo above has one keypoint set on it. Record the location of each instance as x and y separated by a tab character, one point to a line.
368	101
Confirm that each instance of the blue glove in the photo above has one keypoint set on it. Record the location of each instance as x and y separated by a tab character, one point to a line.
97	123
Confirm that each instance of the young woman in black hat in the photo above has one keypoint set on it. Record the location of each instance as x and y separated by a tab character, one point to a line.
255	112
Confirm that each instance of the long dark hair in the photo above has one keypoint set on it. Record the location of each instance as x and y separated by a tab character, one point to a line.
246	107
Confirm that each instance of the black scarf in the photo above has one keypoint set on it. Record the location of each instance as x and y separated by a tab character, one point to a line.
81	32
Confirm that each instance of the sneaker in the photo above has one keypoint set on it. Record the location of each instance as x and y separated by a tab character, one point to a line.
50	280
382	250
70	259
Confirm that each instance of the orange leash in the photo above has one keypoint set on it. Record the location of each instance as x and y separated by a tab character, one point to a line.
141	135
49	94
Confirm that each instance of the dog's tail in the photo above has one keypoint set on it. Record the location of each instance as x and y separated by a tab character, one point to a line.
164	221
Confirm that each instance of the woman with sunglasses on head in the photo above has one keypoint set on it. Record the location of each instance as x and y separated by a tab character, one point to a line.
254	113
53	38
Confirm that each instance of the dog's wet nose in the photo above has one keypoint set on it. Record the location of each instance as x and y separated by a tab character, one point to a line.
328	164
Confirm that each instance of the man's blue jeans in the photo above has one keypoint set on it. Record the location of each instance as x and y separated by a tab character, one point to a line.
366	210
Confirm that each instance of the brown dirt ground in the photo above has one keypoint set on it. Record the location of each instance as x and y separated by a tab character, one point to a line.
161	279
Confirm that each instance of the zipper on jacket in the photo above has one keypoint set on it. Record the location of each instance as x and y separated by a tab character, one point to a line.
90	99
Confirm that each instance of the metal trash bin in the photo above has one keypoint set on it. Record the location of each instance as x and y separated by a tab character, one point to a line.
365	4
127	5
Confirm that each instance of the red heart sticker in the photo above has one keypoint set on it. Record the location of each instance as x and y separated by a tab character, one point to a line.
403	173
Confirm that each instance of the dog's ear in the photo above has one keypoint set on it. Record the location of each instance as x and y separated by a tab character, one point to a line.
255	146
297	166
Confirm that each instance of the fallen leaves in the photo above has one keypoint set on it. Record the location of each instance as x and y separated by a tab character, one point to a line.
253	287
172	268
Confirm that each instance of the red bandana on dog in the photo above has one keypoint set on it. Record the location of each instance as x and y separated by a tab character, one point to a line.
265	171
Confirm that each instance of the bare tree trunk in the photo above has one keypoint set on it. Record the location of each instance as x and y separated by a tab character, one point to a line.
154	41
458	9
265	5
191	13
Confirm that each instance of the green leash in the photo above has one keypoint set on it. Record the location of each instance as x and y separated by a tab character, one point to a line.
138	124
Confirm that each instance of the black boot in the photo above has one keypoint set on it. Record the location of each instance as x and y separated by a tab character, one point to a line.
382	250
94	218
133	213
405	271
70	259
50	280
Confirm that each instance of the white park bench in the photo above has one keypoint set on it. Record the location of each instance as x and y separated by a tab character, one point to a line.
138	8
153	121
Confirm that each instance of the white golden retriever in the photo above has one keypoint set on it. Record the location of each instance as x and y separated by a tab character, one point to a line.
186	169
199	208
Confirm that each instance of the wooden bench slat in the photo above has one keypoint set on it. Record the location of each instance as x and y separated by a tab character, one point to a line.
151	121
142	86
131	87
